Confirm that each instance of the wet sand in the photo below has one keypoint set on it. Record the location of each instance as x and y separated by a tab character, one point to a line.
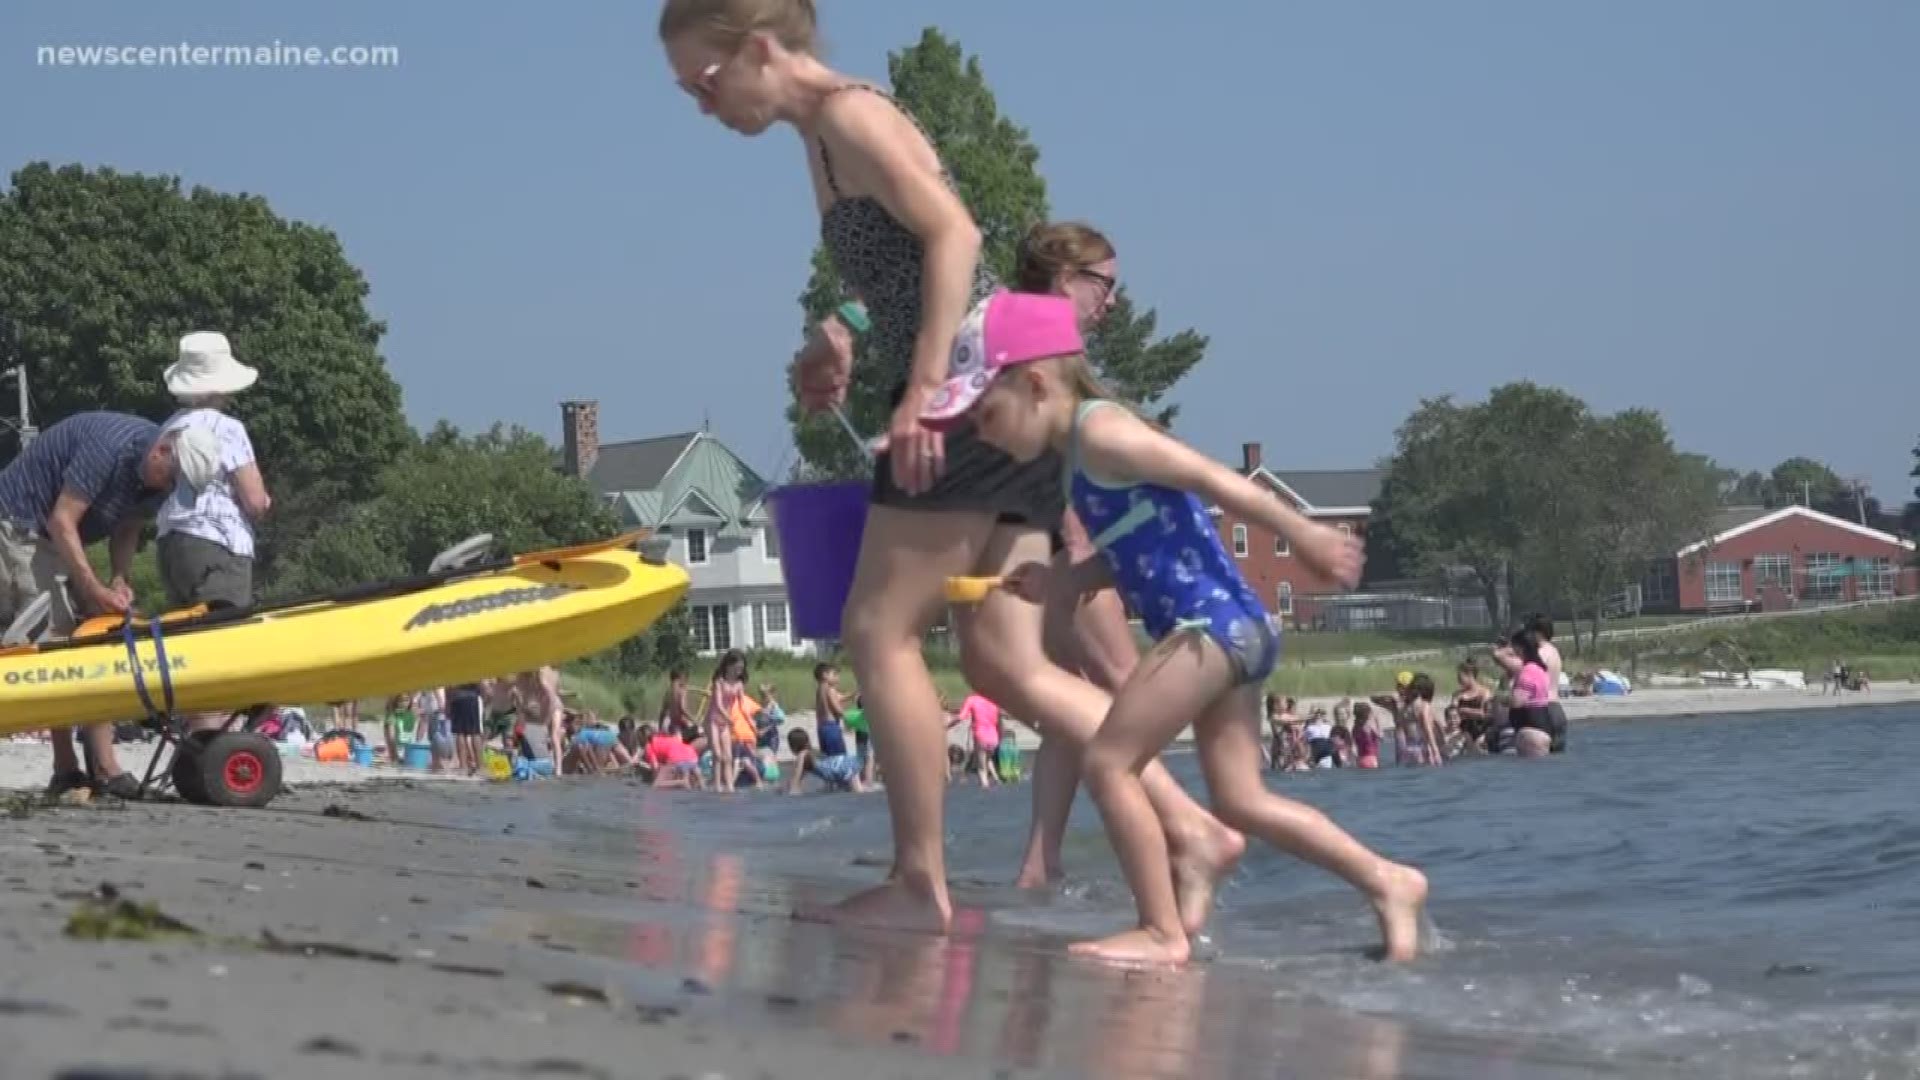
464	930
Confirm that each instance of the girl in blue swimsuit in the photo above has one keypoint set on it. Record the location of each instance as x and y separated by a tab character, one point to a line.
1020	375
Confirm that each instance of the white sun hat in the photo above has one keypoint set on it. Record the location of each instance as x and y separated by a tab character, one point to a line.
206	366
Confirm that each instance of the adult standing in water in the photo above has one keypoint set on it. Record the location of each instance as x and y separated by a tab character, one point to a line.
945	506
1088	633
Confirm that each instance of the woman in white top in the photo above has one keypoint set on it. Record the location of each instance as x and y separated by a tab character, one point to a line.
206	536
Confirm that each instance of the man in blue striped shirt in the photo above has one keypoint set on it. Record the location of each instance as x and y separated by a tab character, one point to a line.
93	476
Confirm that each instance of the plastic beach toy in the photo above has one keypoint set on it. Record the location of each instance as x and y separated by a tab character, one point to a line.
970	590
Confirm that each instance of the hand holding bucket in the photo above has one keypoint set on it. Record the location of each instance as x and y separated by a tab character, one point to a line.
820	525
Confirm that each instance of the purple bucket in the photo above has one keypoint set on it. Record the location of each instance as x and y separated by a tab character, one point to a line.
819	527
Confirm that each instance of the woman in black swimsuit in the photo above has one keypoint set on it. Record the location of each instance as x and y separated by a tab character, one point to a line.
907	247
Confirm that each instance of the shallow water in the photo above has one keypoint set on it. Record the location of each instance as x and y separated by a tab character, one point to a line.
1735	897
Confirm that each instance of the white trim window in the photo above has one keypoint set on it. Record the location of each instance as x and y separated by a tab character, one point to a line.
1281	547
1239	541
1723	583
1283	598
712	626
769	543
697	554
1824	578
769	618
1773	571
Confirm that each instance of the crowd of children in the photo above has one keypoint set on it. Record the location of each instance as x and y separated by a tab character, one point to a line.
1520	713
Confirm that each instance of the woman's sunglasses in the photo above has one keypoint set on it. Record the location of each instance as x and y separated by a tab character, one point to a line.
1105	282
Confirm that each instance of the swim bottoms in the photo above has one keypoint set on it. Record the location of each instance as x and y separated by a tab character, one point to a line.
838	770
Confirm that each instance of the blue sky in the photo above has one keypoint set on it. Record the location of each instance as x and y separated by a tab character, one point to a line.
1710	207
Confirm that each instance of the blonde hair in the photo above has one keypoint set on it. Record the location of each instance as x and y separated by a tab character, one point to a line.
1052	248
793	23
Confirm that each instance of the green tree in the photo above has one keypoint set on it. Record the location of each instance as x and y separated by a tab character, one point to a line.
994	163
1469	486
1910	519
1808	482
1753	488
104	271
1631	498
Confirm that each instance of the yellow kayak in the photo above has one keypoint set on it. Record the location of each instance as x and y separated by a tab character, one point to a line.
504	616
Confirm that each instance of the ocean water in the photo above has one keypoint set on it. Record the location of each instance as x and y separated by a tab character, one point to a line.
1734	896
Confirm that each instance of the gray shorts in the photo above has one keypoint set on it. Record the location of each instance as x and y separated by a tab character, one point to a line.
196	570
28	567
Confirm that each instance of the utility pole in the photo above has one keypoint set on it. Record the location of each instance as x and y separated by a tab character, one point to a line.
10	351
27	431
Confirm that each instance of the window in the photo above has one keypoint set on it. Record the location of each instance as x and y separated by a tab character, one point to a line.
1775	571
770	543
1283	595
1723	583
1826	578
1878	578
1658	589
696	547
712	628
1239	541
769	617
1281	547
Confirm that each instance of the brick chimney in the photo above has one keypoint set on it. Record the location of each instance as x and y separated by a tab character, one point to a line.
580	435
1249	456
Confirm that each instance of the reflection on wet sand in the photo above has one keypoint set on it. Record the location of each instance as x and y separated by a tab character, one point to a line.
982	993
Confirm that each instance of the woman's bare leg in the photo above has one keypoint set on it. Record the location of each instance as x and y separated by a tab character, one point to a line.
1056	773
898	591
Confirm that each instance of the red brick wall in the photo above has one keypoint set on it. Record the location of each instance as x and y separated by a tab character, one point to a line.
1265	569
1796	537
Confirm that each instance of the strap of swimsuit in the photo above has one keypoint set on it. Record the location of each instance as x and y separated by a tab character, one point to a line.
1138	514
826	159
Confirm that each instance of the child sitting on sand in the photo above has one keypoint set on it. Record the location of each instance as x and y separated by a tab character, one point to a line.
1019	371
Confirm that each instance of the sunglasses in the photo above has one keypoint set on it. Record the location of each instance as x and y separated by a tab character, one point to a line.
1106	282
701	85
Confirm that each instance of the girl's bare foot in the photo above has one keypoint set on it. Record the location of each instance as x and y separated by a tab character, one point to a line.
1139	946
1199	862
1397	906
895	904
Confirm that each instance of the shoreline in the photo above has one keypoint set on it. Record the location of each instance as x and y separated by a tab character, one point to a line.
25	766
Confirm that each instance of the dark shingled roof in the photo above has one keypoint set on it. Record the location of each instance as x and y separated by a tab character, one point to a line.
1732	517
1333	487
639	465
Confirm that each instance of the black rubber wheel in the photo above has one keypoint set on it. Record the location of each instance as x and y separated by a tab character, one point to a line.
239	768
186	766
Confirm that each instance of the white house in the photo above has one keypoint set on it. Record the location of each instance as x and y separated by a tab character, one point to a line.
701	497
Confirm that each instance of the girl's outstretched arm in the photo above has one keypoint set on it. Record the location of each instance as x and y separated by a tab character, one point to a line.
1120	446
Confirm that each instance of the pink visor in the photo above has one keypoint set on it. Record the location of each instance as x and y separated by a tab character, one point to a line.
1002	330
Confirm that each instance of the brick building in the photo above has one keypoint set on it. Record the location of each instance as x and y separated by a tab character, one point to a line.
1338	497
1774	560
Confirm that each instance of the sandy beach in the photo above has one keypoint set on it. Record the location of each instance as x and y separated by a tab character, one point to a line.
413	927
415	930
